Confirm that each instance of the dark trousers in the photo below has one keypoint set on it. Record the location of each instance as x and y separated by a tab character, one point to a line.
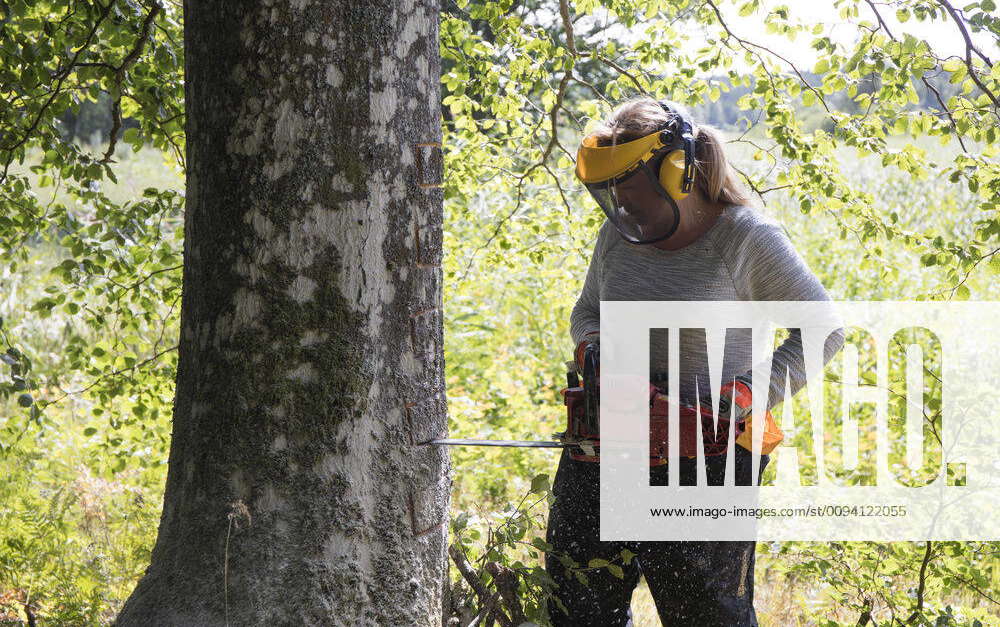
704	584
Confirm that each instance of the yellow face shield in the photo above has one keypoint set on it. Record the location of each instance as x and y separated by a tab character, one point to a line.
596	164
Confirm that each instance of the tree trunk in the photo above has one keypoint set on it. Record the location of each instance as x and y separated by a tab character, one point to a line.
311	340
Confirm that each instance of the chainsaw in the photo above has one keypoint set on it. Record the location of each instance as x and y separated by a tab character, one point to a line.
581	397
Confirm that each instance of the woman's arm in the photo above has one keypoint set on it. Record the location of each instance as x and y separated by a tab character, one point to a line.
774	270
586	316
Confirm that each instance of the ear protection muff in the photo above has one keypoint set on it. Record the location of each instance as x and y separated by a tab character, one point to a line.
677	168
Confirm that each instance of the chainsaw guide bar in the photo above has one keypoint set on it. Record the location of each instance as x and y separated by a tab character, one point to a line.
520	443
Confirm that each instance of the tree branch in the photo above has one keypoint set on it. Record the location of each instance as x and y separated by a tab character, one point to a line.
919	609
55	92
744	44
506	580
130	59
923	78
487	600
969	48
567	26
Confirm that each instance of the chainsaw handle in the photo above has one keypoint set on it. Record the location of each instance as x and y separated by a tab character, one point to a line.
591	381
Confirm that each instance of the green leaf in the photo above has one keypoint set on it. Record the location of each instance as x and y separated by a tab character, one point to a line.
627	556
953	65
540	483
541	545
598	563
748	7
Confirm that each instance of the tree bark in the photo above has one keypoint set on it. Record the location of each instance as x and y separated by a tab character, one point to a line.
311	336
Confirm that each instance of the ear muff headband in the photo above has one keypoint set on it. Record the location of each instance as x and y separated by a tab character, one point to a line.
677	170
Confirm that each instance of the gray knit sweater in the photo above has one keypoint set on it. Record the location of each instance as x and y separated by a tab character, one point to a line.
743	256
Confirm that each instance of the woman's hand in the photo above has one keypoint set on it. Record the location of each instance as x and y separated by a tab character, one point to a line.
736	396
594	337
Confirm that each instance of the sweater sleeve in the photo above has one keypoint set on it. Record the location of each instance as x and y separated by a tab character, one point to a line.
774	270
586	315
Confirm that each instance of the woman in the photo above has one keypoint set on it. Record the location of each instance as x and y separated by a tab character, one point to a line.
684	231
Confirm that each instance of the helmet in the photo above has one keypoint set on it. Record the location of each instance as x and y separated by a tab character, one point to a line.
616	175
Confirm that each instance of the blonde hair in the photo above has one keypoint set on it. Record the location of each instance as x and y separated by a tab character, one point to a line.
715	178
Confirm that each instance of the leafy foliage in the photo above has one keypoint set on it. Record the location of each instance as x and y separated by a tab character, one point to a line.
880	160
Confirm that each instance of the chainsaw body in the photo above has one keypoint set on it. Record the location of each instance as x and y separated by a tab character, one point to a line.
582	435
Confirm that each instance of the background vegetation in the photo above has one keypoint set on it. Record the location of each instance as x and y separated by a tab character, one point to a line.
879	160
